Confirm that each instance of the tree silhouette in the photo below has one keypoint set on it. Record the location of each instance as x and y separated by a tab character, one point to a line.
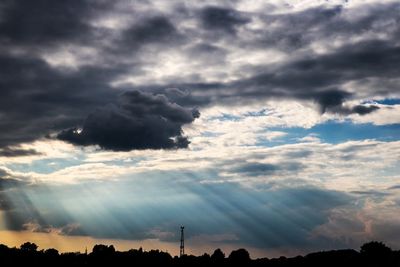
377	254
218	256
103	250
28	246
240	256
375	248
51	252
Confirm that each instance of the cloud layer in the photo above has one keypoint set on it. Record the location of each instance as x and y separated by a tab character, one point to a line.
62	61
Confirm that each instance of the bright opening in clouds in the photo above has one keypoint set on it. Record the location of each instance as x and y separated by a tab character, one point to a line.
270	125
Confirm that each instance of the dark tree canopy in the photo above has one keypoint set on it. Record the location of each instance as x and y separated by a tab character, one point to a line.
28	246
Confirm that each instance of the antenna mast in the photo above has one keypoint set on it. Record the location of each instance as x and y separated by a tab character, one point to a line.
182	247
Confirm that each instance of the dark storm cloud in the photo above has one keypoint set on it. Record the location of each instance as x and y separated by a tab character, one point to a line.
37	99
290	32
154	30
221	19
139	121
298	30
45	21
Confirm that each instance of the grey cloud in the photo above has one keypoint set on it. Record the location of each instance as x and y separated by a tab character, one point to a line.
154	30
299	153
139	121
298	30
394	187
37	99
257	169
313	78
208	53
45	22
370	193
8	181
17	152
319	78
359	109
221	19
3	173
289	32
362	110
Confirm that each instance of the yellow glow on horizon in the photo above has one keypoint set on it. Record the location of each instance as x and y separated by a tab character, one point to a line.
79	243
65	243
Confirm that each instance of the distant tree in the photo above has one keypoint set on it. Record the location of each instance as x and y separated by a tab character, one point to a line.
204	260
205	256
377	254
28	246
239	256
103	250
375	248
218	255
51	252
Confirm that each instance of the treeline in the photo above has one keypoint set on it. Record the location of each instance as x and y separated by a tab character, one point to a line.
371	254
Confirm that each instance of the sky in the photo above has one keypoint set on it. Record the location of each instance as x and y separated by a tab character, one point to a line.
269	125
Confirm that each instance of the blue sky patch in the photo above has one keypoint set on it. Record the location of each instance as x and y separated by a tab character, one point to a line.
334	132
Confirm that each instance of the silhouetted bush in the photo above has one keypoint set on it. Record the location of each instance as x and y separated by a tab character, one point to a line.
375	248
377	254
28	246
240	256
51	252
218	257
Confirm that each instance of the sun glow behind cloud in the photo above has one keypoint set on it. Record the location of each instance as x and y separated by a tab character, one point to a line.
138	195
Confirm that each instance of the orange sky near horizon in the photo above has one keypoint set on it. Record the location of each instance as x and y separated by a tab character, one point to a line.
65	243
